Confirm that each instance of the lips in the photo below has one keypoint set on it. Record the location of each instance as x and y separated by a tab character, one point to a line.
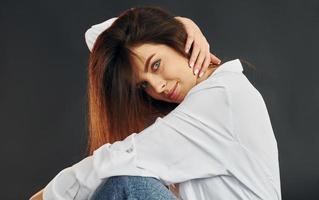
173	93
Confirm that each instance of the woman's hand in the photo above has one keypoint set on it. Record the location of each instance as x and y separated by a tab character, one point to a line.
37	196
174	188
200	52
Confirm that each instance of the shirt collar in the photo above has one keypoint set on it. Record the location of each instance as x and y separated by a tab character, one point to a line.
232	66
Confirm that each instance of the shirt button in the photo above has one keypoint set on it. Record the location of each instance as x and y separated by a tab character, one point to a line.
129	150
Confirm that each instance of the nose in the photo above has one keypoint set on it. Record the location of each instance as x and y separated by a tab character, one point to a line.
158	84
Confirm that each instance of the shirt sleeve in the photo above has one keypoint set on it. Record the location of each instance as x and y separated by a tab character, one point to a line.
192	141
95	30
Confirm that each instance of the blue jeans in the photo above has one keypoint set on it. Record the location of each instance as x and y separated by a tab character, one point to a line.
132	188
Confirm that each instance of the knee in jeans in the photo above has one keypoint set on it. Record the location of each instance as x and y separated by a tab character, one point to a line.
133	187
131	179
134	180
117	179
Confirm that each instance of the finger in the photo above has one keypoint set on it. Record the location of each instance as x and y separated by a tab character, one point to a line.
189	42
195	52
207	59
205	65
199	62
214	59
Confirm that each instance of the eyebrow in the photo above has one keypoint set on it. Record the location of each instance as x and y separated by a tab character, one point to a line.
147	63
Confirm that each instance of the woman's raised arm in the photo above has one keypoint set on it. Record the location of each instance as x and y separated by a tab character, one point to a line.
201	56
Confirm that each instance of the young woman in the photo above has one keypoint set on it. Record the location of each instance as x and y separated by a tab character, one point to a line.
154	123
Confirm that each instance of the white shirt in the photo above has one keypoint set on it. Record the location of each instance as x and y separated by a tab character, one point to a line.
218	143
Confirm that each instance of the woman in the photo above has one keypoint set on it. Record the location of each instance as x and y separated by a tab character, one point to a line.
211	134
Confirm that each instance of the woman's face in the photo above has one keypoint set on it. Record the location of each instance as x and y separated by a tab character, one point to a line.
162	70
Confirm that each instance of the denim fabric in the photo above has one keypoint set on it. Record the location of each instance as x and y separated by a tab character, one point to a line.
132	188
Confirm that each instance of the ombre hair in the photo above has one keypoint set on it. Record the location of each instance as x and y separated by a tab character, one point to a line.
116	106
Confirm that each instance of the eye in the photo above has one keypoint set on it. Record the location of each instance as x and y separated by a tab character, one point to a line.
157	64
143	85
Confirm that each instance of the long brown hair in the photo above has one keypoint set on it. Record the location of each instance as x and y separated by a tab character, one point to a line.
116	107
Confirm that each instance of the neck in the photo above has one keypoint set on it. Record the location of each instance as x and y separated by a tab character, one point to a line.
211	68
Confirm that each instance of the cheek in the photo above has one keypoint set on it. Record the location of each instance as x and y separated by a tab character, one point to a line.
181	73
188	82
188	77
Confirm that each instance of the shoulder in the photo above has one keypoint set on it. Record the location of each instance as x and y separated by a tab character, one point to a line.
225	76
217	91
205	98
208	108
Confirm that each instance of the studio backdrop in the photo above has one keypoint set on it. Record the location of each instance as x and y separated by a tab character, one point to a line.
43	79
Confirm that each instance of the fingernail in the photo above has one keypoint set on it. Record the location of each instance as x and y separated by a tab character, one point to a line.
186	50
219	61
196	71
201	74
191	64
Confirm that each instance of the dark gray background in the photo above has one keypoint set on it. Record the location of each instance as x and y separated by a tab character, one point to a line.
43	59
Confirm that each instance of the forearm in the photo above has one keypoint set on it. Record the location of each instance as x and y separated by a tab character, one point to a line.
81	179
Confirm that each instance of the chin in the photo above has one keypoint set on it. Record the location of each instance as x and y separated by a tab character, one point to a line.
178	100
